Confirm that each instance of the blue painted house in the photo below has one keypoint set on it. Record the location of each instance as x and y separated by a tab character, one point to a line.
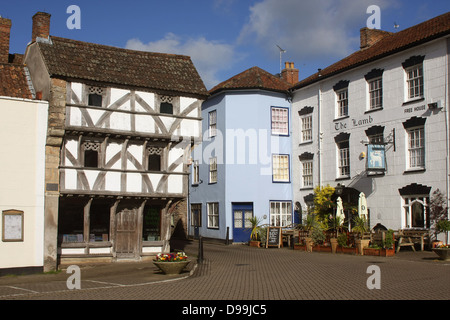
242	168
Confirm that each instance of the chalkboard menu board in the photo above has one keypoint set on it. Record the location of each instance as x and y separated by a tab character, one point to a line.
273	237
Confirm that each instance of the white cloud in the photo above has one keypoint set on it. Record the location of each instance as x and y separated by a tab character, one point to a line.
308	29
209	57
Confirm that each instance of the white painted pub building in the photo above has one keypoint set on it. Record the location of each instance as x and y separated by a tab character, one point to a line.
377	122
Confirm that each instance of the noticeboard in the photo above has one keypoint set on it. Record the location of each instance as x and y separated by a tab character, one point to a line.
273	237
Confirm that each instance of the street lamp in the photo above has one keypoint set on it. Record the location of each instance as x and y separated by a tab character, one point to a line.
339	189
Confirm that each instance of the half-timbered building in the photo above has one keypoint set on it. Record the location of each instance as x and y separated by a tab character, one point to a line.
121	124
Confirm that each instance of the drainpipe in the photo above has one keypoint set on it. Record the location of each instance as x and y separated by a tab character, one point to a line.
319	135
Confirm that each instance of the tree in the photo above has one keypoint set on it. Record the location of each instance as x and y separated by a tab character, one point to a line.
438	211
323	205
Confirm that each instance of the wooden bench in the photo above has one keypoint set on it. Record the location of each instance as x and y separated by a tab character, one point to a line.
407	238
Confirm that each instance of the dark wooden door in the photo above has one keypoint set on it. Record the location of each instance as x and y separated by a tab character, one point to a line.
126	242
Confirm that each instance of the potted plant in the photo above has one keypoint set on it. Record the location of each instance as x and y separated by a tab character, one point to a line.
388	244
336	228
343	244
171	263
438	211
255	235
361	227
443	251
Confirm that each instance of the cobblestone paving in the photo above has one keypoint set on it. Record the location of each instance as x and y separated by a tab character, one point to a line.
238	272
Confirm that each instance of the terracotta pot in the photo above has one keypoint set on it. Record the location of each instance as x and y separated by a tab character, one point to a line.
300	247
361	244
371	252
171	267
256	244
387	252
334	244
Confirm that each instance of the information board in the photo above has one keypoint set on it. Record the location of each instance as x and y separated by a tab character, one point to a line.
273	237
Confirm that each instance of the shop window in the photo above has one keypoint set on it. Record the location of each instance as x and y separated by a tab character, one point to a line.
71	222
151	228
99	222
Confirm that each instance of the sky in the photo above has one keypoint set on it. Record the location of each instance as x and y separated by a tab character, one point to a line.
224	37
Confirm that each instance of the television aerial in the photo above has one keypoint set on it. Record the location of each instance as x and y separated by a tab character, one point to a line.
281	52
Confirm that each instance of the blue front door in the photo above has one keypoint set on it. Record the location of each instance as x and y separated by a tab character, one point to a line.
241	226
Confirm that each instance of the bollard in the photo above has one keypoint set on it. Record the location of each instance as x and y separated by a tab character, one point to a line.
200	250
227	241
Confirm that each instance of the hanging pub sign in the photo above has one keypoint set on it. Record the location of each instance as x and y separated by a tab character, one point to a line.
376	157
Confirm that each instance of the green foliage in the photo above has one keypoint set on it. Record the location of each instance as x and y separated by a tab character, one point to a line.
443	226
255	235
361	225
388	242
342	239
323	205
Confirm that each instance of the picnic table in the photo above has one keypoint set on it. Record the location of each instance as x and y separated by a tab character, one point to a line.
407	238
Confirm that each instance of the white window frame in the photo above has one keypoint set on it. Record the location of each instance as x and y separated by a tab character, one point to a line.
306	128
375	93
280	121
342	103
408	202
343	159
213	170
212	123
280	213
307	173
416	148
213	215
415	82
280	168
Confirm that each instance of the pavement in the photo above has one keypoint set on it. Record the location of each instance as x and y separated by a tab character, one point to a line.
242	273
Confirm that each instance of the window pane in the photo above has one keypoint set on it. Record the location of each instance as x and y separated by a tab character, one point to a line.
154	162
280	121
95	100
91	159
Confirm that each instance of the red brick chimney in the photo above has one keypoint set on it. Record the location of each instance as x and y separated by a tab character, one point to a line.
41	26
369	37
5	31
289	73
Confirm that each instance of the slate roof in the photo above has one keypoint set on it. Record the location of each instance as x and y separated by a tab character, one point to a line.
253	78
71	59
393	43
13	81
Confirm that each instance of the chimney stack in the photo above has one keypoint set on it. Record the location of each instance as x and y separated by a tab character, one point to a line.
289	73
369	37
5	31
41	26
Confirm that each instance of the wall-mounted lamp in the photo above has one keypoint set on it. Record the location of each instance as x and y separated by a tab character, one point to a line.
339	189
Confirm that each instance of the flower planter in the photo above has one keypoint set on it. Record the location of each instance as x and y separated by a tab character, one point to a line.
361	244
334	244
256	244
309	244
372	252
300	247
347	250
171	267
319	248
387	252
443	253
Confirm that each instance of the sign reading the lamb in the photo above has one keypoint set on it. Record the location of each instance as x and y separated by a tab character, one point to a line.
376	160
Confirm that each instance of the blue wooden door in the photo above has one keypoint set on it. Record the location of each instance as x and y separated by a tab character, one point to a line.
241	226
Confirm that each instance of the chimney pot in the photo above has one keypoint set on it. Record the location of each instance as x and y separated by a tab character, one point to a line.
5	31
290	74
41	26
